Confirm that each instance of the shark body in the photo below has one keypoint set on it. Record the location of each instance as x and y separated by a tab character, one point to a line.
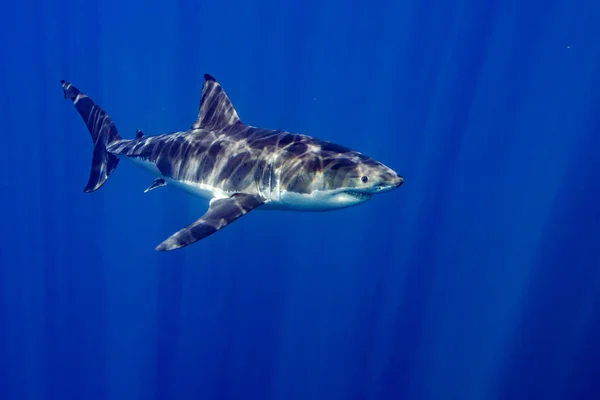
236	166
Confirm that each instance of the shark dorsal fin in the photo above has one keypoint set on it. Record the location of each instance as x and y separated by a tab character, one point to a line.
216	111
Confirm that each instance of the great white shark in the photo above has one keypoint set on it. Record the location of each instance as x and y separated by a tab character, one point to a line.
237	167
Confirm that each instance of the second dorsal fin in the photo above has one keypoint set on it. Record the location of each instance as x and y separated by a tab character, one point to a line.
216	111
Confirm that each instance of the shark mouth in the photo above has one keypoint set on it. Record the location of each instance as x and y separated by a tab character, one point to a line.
359	195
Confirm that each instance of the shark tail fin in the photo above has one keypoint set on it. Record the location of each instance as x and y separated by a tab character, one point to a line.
103	133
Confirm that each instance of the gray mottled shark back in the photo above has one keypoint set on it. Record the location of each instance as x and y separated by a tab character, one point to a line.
236	166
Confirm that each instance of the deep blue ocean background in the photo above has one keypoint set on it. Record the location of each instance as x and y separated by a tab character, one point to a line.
478	279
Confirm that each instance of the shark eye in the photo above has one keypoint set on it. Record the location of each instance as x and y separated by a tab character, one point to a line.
364	179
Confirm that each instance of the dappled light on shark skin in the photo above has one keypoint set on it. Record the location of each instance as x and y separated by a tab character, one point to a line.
236	166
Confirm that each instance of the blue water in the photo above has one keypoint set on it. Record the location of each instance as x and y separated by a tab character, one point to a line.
477	279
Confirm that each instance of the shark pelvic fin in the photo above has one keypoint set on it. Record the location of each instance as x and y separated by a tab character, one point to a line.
216	111
221	213
158	182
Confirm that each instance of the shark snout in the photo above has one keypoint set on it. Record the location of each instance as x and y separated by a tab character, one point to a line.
390	182
398	181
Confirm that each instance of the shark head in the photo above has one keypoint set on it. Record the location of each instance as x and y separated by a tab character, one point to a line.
336	177
354	178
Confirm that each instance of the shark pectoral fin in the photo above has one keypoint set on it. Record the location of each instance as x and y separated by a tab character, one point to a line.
221	213
158	182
